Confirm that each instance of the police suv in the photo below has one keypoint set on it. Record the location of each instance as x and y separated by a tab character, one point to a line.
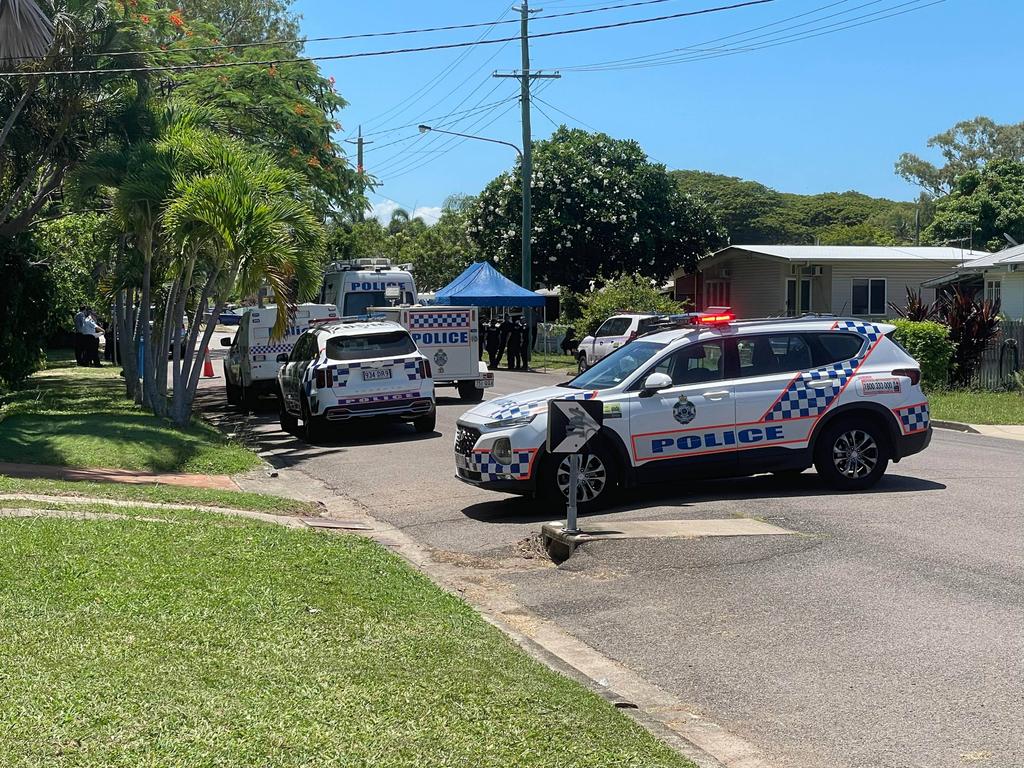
354	369
712	396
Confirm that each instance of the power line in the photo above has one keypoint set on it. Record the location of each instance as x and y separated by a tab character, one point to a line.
563	112
436	119
362	35
391	52
777	38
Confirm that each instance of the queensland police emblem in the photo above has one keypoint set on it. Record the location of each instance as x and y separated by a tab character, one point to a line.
440	360
684	411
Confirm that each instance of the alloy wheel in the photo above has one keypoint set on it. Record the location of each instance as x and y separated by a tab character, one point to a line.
593	477
855	454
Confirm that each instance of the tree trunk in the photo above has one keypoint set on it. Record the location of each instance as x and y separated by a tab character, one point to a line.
144	311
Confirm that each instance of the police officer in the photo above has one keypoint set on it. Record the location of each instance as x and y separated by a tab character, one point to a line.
504	332
515	345
493	343
80	334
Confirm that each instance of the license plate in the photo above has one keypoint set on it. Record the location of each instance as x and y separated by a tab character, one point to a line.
372	374
485	382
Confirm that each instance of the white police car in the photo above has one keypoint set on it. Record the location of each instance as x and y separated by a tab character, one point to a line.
345	369
712	396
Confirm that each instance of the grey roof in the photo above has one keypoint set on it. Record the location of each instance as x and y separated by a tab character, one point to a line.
1013	255
824	254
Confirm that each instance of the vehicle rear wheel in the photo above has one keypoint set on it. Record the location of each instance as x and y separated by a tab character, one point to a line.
581	362
288	422
469	392
233	394
426	423
315	427
598	479
851	454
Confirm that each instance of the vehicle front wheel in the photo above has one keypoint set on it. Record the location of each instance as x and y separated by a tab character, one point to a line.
288	422
598	480
426	423
581	362
851	454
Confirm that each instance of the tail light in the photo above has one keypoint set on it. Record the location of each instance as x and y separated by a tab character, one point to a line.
425	372
913	374
321	378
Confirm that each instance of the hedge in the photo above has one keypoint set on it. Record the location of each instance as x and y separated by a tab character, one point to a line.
927	342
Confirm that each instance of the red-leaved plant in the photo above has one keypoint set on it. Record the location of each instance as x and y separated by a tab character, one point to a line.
972	325
917	308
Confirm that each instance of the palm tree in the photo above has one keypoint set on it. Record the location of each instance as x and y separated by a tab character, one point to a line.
242	224
25	32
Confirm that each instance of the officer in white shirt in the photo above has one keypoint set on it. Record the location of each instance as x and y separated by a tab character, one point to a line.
80	316
91	355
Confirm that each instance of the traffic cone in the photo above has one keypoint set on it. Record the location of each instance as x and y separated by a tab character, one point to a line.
208	366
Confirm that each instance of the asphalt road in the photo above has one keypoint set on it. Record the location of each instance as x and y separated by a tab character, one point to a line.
890	633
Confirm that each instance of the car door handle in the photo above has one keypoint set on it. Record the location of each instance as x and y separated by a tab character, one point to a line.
822	383
718	394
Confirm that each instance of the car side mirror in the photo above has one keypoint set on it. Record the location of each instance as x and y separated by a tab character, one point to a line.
226	341
283	357
655	383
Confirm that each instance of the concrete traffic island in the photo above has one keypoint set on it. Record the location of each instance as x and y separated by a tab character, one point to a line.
560	544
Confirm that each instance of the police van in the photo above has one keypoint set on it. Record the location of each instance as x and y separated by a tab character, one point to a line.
450	338
354	369
357	285
250	368
712	396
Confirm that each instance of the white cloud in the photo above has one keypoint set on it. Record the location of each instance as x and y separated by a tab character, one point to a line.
382	211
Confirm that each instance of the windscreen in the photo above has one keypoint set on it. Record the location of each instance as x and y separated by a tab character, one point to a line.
618	366
370	346
358	303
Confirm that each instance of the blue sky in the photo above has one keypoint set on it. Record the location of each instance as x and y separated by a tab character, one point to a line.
830	113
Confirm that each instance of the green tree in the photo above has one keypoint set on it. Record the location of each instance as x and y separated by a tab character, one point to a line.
247	21
625	293
984	206
26	293
965	147
599	206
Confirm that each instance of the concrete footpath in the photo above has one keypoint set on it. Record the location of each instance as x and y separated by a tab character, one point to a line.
100	475
1005	431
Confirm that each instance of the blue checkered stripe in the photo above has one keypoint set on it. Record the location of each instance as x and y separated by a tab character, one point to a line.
340	373
511	409
490	469
870	330
800	400
271	349
440	320
914	418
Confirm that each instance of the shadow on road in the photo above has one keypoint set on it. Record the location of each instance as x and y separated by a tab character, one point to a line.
806	485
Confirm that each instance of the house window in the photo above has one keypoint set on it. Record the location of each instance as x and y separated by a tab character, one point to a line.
869	296
993	290
716	293
798	296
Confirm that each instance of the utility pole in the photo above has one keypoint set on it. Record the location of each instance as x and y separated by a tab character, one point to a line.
360	143
525	77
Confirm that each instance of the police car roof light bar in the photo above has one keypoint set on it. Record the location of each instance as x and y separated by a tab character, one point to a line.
716	316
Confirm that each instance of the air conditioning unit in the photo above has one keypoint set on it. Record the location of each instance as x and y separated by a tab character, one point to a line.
806	271
725	273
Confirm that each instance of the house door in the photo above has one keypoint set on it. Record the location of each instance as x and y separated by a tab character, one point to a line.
798	296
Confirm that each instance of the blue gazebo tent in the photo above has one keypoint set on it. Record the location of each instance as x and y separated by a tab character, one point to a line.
481	285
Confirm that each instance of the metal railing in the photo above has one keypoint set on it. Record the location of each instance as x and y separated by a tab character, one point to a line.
1002	357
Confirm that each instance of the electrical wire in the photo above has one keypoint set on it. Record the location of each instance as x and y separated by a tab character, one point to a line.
391	52
364	35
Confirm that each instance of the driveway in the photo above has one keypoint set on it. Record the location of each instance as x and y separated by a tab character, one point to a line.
889	633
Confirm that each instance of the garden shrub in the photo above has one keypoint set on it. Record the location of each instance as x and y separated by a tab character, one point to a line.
927	342
624	294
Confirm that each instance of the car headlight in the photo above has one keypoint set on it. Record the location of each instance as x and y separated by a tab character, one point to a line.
502	450
518	421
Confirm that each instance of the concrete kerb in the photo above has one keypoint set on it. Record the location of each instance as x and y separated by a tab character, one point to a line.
669	719
955	425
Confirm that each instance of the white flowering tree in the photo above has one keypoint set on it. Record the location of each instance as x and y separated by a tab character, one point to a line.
600	207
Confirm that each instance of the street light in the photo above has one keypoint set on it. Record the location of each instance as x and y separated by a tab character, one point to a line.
527	257
427	129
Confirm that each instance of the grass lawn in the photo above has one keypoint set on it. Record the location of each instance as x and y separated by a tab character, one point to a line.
131	643
79	417
977	407
553	362
166	494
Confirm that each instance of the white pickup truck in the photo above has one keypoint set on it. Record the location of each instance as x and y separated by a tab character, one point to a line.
449	337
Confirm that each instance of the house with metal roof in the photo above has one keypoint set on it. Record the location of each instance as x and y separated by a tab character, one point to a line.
772	280
997	275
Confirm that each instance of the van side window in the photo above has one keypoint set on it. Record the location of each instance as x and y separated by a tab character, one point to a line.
773	353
